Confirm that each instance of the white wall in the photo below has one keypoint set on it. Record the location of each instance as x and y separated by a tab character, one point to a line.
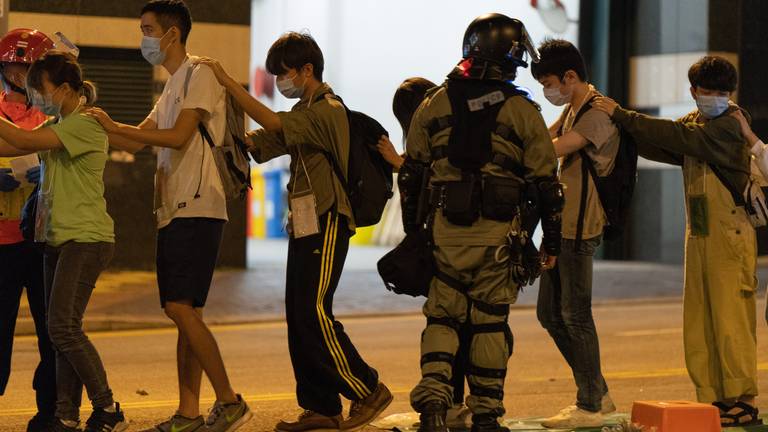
371	46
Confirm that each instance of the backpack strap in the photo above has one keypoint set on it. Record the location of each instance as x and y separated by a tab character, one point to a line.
738	198
587	167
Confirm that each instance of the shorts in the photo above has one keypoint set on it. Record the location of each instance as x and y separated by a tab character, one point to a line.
187	251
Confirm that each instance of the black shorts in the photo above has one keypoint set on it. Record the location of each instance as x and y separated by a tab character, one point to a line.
187	251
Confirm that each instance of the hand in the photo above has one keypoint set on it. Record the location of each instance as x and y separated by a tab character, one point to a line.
103	118
547	262
746	130
33	175
387	150
606	105
218	71
7	182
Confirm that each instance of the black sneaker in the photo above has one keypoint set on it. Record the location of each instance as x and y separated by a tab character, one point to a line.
432	417
105	421
40	423
57	426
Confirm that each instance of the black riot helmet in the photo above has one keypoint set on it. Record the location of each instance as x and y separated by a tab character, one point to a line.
499	39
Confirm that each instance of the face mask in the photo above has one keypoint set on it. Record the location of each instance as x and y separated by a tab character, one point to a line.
556	98
290	90
10	84
45	104
712	106
150	49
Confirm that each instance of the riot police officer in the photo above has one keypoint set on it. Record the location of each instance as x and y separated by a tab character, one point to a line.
483	144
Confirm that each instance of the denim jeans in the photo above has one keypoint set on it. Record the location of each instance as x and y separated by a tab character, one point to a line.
564	309
71	271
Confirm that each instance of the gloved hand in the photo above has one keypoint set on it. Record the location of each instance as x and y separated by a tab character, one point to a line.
7	182
33	175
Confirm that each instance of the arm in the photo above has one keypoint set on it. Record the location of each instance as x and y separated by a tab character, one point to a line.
121	143
256	110
26	141
265	145
175	137
388	152
570	142
713	142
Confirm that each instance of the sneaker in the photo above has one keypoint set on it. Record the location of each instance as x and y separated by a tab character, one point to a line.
57	426
574	418
227	417
179	423
487	423
362	412
432	417
105	421
607	405
458	417
40	423
310	421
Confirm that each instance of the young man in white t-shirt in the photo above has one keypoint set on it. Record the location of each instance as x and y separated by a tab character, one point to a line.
190	206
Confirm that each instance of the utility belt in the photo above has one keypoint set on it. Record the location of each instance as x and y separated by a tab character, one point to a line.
464	201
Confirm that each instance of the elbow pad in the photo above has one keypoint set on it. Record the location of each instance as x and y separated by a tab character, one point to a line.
550	200
410	179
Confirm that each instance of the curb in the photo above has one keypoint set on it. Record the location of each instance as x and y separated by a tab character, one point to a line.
25	325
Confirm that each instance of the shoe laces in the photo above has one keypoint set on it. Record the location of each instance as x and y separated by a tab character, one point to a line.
215	412
355	407
305	414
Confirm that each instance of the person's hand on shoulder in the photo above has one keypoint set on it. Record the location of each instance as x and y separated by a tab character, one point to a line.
7	182
103	118
605	104
218	70
388	152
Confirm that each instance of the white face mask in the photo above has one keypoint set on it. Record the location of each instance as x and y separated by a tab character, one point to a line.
288	89
555	97
150	49
712	106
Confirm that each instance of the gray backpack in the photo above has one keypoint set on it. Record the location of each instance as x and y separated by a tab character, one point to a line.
231	157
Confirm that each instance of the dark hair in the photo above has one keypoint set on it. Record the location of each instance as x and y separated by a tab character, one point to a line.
558	56
407	99
713	73
60	68
292	51
171	13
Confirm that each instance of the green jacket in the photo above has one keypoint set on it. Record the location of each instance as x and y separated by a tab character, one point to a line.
717	141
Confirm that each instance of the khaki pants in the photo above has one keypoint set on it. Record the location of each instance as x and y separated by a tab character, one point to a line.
490	292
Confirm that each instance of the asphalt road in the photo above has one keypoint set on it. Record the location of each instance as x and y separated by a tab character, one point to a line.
641	351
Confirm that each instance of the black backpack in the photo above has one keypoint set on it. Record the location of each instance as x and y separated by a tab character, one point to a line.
368	182
616	189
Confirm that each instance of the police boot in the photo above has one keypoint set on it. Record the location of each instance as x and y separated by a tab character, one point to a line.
487	423
432	417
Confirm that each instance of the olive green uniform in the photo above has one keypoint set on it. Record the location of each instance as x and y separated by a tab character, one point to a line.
719	317
466	254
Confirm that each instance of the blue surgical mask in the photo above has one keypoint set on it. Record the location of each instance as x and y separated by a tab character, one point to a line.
289	89
712	106
45	104
150	50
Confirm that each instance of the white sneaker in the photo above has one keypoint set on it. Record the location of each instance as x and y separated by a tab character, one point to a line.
573	418
607	405
458	417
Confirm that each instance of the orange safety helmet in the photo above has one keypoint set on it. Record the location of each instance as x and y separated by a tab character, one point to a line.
24	46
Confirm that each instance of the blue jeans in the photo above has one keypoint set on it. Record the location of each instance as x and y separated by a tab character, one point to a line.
564	309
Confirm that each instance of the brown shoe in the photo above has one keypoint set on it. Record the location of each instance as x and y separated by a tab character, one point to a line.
310	421
362	412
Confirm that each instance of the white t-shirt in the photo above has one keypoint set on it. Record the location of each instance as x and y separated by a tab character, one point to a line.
187	182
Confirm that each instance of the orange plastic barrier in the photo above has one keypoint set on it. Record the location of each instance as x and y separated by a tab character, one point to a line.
676	416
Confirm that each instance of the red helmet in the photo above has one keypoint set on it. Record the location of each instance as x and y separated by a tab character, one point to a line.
24	46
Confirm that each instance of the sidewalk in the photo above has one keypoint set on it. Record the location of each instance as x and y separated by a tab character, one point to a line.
128	299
